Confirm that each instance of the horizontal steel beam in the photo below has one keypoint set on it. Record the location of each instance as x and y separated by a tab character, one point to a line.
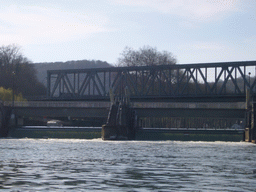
135	105
142	112
157	67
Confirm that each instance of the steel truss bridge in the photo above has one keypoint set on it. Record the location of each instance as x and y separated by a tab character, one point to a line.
225	81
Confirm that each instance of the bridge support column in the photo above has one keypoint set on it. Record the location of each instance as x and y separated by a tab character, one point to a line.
121	123
4	120
252	132
250	129
122	120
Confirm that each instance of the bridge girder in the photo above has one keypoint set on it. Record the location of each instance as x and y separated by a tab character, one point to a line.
209	80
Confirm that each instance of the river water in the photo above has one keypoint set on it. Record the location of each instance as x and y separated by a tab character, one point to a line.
96	165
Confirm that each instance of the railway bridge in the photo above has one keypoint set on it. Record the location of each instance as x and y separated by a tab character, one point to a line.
209	94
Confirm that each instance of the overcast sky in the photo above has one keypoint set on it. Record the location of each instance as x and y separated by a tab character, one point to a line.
194	31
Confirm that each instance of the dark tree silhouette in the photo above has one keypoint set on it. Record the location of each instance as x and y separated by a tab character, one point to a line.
17	73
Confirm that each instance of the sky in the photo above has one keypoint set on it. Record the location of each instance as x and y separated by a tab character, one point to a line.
194	31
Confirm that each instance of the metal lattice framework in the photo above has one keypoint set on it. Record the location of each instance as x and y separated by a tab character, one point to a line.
169	81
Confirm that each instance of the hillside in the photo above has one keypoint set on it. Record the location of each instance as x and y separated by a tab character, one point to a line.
81	64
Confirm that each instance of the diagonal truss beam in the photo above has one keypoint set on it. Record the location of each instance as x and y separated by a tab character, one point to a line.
149	81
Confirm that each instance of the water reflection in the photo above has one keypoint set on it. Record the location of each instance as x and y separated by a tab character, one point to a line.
73	165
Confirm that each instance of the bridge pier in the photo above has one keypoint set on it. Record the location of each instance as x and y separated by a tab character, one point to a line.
121	121
250	129
5	113
120	124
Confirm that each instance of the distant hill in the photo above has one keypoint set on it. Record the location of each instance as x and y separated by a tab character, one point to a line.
81	64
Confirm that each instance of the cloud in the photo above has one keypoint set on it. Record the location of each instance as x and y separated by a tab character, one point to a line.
32	24
197	10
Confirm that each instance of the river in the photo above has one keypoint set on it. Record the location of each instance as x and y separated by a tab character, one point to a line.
96	165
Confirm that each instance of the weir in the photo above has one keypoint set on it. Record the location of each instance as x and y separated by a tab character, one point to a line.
162	118
167	97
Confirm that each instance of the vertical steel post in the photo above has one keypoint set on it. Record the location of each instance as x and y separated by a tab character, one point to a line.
13	87
48	93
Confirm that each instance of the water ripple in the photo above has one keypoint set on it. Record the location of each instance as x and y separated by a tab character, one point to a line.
94	165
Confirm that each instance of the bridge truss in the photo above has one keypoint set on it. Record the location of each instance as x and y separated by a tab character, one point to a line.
209	80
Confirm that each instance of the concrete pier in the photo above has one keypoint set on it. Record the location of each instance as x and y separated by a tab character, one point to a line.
250	118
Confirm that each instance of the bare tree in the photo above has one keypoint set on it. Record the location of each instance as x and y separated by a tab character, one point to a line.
16	72
149	81
145	56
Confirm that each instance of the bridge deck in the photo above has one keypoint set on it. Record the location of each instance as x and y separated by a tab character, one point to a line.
86	104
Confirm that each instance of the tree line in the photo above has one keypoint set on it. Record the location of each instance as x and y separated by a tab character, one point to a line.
17	74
